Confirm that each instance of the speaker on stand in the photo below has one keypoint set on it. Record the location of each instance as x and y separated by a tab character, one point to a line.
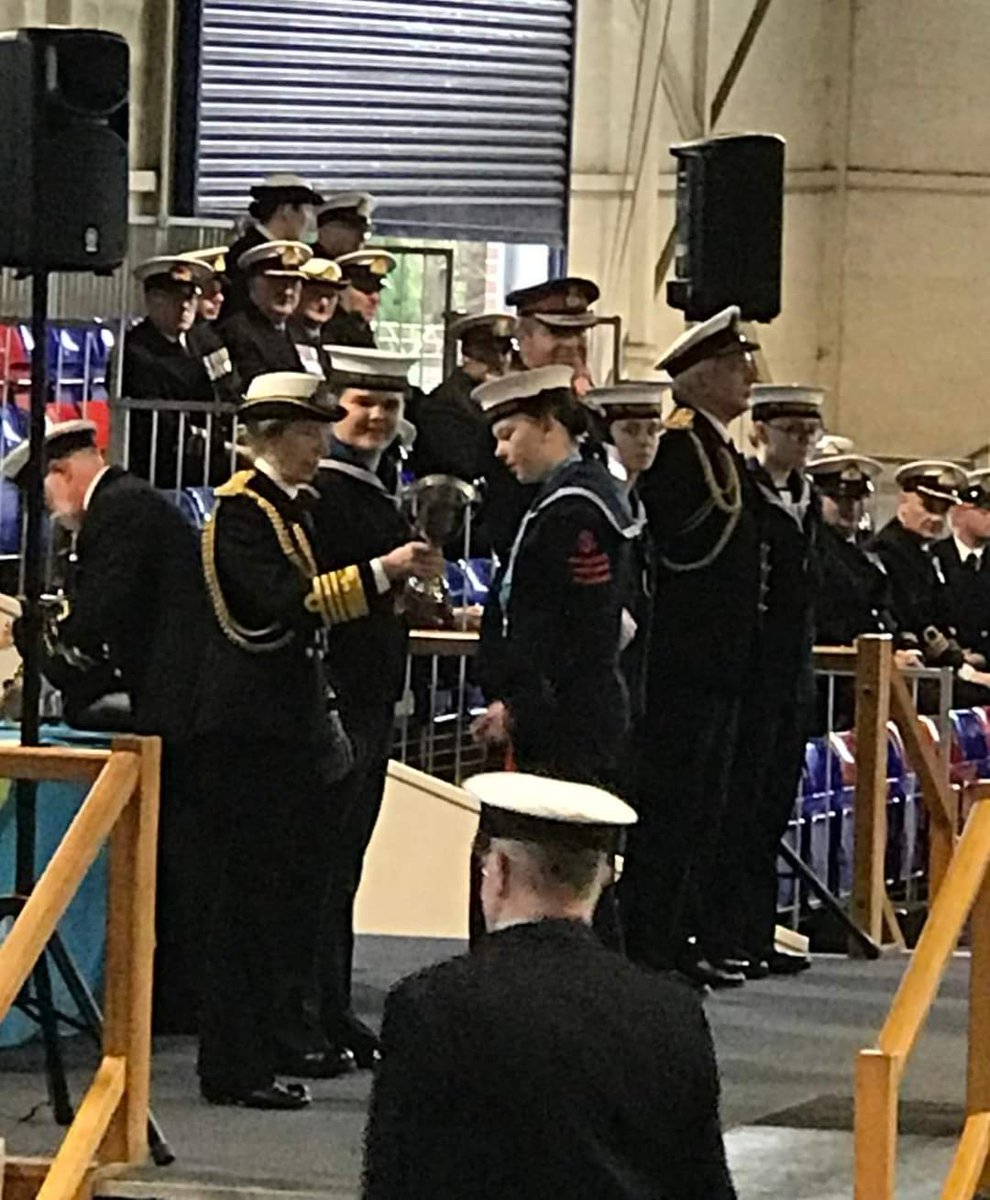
730	216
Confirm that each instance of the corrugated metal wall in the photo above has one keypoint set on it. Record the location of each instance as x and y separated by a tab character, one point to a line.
85	297
456	113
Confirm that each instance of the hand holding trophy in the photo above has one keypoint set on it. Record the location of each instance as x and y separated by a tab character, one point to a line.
438	506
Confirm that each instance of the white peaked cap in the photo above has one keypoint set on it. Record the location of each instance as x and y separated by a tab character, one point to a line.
550	799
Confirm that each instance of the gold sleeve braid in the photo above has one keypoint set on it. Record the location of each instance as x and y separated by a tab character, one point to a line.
335	597
338	596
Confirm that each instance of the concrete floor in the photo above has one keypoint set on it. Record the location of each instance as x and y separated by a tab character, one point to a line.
786	1051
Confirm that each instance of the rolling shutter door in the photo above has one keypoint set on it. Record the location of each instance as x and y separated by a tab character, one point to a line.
455	113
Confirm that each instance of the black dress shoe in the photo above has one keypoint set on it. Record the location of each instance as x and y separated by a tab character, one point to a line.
700	971
749	965
367	1053
360	1039
282	1097
781	962
317	1064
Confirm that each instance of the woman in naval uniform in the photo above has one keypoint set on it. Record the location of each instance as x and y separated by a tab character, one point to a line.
357	521
264	706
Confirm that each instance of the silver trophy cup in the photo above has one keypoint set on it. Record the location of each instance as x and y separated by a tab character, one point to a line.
439	507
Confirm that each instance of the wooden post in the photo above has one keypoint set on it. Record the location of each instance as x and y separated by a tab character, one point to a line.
939	797
877	1077
130	953
874	664
971	1153
74	1159
978	1067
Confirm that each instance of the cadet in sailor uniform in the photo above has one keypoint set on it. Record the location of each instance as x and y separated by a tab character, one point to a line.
261	337
264	702
777	716
631	416
343	223
365	274
700	512
282	209
358	521
551	630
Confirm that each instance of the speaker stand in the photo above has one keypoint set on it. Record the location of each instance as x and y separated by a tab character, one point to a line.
41	1007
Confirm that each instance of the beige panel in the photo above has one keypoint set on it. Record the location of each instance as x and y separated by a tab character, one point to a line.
792	343
921	88
914	376
783	87
415	881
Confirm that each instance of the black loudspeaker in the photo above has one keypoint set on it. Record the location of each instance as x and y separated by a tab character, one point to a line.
63	149
730	216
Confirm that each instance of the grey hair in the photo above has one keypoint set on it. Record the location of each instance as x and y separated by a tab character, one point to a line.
579	871
264	431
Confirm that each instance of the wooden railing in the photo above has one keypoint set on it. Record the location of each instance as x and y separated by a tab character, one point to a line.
883	695
964	890
111	1123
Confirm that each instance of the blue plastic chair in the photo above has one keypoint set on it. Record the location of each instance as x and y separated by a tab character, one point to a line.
200	502
822	785
971	735
478	578
456	584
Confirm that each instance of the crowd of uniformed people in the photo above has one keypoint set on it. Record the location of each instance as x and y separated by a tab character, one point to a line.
649	627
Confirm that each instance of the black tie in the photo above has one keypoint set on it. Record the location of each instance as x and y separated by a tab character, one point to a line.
972	563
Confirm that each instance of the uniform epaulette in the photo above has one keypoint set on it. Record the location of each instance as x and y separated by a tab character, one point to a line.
236	485
680	418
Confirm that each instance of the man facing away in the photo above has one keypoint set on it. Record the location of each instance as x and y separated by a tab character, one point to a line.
543	1064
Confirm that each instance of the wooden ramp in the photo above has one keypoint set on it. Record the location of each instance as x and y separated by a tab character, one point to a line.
415	881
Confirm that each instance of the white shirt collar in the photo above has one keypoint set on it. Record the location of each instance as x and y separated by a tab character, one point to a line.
716	424
267	468
92	487
965	551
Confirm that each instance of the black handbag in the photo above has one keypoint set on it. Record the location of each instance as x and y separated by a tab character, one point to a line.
338	753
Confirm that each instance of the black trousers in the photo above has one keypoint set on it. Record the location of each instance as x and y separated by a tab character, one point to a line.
764	781
267	828
685	756
358	801
181	902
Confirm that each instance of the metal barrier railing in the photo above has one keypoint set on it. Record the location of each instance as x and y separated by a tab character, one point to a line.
862	820
822	829
440	699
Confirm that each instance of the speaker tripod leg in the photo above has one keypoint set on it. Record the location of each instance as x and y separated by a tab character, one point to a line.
161	1152
58	1088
